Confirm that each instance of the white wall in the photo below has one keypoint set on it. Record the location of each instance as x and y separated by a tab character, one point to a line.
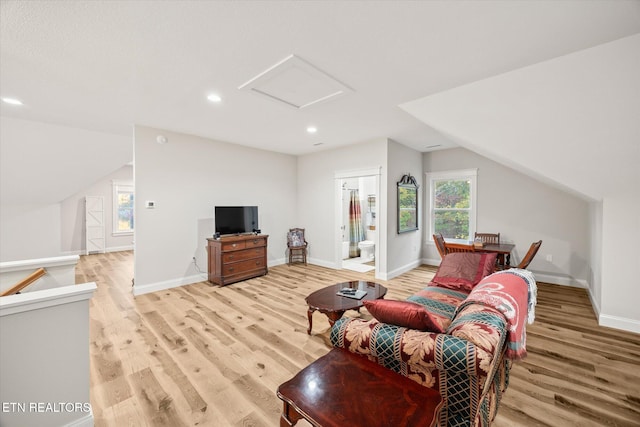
571	121
403	250
73	215
39	168
45	356
595	258
50	230
317	196
524	210
187	178
620	262
29	231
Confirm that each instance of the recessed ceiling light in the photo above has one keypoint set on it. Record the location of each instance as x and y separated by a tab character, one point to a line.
214	97
312	129
12	101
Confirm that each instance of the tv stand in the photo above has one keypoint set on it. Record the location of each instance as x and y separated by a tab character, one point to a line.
235	258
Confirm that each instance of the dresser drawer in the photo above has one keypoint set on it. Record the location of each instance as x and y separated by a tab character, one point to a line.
242	266
233	246
256	242
235	256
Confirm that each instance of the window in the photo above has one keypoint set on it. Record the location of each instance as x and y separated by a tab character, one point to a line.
452	203
122	207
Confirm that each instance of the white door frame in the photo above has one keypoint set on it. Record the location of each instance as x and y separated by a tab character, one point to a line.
94	218
338	177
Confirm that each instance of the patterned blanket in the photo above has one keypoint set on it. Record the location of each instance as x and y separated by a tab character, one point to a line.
513	293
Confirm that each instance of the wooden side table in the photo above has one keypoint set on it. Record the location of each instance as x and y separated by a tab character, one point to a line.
344	389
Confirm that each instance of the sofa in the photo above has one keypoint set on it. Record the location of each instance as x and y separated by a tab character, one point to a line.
458	335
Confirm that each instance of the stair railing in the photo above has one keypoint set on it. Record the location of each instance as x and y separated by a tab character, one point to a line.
24	282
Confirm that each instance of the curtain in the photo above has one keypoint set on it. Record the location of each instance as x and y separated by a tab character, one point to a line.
356	232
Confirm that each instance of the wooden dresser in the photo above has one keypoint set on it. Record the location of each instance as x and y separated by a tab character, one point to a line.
236	258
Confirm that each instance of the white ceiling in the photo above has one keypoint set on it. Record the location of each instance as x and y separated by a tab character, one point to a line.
572	122
106	65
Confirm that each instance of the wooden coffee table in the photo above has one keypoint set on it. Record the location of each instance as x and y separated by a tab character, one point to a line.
326	301
344	389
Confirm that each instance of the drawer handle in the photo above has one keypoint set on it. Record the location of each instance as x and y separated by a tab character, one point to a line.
255	242
258	263
230	256
231	269
234	245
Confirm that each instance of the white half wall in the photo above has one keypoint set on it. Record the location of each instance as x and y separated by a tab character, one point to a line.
186	178
60	271
45	357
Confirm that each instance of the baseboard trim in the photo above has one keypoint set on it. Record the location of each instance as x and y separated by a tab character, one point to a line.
398	271
189	280
168	284
323	263
107	250
275	262
594	303
431	261
119	248
85	421
560	280
616	322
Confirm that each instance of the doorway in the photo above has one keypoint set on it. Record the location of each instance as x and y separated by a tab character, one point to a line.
357	195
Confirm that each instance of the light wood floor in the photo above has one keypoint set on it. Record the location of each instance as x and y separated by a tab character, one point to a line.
213	356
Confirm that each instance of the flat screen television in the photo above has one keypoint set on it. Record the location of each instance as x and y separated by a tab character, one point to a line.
236	219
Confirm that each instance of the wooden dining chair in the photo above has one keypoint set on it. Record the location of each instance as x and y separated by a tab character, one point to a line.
488	237
533	250
439	241
458	247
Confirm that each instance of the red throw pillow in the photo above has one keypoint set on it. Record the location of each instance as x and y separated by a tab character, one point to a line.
464	270
403	313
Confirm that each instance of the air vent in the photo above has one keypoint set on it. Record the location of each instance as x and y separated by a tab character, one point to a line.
296	83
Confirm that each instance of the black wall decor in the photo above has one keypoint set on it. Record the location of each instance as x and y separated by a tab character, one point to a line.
407	204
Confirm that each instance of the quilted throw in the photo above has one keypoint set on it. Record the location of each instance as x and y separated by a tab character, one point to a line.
513	293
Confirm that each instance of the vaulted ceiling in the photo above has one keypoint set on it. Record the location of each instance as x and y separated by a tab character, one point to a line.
104	66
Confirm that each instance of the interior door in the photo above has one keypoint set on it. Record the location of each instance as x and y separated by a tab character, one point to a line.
94	225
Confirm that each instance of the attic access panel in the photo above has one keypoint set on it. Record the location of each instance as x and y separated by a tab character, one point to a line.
296	83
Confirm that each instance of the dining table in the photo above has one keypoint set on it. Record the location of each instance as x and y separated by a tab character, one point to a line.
503	250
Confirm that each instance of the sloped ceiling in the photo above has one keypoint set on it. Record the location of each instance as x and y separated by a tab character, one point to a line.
573	121
44	164
103	66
